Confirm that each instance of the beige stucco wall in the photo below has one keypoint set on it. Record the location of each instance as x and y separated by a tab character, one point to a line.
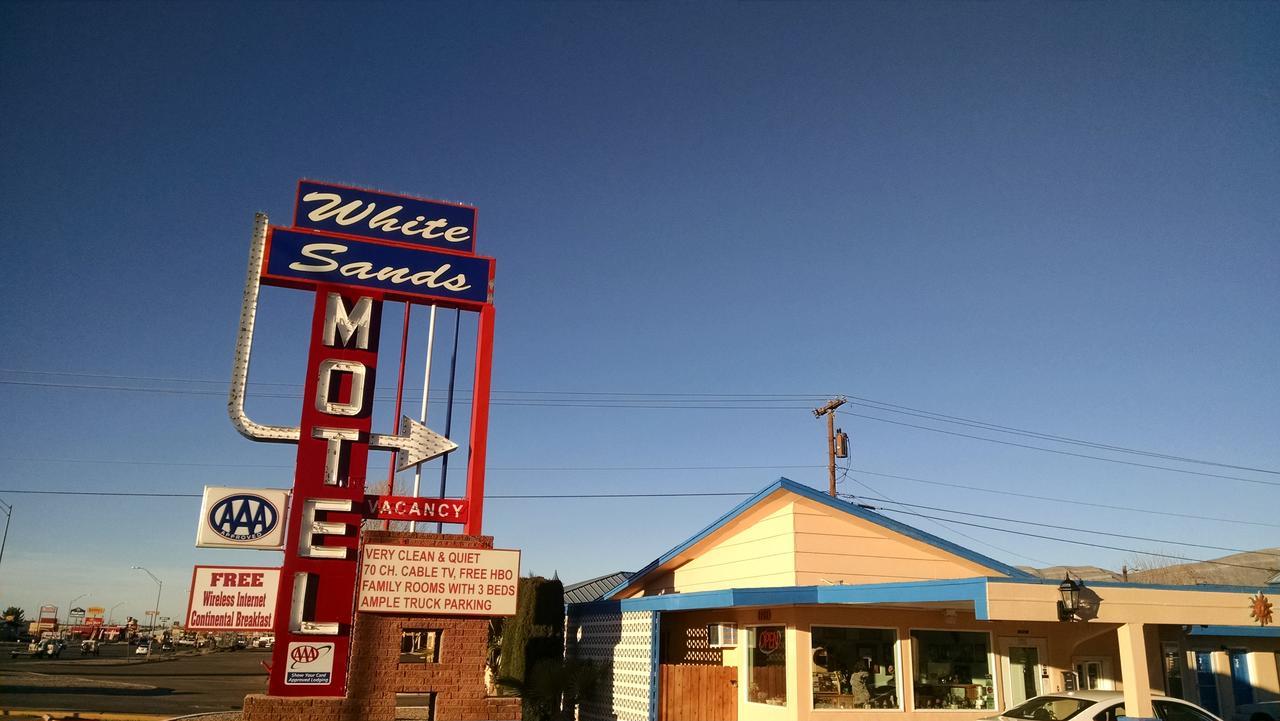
754	550
1038	602
834	547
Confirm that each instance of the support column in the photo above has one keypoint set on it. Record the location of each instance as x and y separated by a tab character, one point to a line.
1134	671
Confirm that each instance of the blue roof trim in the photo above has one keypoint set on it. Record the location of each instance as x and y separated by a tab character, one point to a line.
1213	588
1239	631
967	589
820	497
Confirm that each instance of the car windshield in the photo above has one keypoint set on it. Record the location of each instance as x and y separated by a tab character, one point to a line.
1049	708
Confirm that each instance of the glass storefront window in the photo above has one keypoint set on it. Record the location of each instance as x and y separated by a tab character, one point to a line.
767	673
953	670
854	668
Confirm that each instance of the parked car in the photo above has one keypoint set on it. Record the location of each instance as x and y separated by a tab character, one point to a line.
1098	706
144	648
89	647
1264	711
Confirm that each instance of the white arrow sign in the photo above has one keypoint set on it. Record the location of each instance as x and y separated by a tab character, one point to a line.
415	444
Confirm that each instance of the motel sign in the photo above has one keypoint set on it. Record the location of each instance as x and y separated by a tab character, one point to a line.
355	249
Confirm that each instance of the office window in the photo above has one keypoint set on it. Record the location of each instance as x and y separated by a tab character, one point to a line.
854	668
953	670
767	673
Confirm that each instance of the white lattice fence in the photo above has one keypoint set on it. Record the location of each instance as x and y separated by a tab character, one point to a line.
627	644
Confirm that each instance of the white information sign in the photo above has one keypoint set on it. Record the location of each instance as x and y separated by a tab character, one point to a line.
243	518
437	580
309	664
232	598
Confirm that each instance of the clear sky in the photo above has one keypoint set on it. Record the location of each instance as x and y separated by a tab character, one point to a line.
1053	217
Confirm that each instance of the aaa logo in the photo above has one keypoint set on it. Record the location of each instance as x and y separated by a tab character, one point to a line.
306	653
243	517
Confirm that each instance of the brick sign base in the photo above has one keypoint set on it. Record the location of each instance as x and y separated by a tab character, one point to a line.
377	675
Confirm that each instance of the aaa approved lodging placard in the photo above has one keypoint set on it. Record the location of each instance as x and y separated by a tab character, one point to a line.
438	580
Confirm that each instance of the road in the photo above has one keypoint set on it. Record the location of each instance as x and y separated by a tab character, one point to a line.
118	681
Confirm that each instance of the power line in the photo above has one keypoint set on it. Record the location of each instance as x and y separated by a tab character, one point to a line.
529	496
723	404
1060	452
972	423
1068	540
696	401
563	496
1064	528
1072	501
968	487
952	529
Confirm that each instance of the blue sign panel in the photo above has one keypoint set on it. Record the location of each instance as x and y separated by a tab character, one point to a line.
303	259
243	517
382	216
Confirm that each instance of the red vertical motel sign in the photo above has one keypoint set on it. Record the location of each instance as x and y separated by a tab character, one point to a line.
354	249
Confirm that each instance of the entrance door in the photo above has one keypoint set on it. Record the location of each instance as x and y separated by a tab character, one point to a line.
1241	688
1022	662
1093	673
1207	682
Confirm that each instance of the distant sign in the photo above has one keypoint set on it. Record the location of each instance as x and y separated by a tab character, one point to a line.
242	518
411	508
383	216
75	617
94	615
232	598
309	664
304	259
48	618
432	580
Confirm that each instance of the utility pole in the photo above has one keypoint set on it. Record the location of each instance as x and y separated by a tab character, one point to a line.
829	410
8	516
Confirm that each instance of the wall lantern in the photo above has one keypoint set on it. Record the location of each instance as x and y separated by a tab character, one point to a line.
1070	603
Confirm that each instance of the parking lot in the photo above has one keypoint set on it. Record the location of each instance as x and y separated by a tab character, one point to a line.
119	681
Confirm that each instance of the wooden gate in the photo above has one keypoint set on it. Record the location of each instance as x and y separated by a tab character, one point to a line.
698	693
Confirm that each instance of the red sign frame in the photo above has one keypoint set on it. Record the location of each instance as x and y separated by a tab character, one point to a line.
328	579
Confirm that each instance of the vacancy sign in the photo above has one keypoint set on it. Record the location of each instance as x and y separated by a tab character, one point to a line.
232	598
432	580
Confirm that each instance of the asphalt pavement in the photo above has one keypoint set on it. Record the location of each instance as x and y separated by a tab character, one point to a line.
118	681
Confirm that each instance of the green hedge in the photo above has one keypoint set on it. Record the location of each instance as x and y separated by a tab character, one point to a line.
532	647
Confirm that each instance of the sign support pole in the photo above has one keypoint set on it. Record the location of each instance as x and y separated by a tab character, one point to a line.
480	420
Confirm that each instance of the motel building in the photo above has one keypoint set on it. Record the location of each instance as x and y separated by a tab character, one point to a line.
795	605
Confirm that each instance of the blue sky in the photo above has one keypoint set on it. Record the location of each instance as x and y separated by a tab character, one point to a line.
1052	217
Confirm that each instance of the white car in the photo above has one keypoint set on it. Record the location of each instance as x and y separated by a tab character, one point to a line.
1098	706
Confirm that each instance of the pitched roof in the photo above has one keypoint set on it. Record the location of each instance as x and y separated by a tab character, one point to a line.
788	486
594	589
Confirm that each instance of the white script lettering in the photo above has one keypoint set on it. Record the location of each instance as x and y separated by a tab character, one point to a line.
365	271
331	206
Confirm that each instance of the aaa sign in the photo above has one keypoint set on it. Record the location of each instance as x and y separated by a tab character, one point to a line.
430	580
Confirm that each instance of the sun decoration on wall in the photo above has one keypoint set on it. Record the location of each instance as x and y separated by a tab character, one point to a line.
1261	611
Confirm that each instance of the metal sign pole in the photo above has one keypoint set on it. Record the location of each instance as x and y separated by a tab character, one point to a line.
422	414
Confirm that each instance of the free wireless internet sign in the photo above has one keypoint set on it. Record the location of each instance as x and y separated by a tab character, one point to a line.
242	518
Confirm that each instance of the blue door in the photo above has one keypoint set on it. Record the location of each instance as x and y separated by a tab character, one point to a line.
1240	686
1206	682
